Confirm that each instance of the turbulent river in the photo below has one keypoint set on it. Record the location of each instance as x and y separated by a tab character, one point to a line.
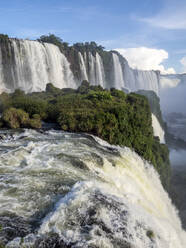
71	190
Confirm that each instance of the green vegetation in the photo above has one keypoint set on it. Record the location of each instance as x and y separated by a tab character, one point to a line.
82	47
51	38
3	37
17	118
154	103
109	114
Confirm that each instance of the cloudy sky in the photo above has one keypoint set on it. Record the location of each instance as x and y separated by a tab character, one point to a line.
150	34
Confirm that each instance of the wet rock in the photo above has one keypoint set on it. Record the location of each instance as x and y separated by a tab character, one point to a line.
51	241
13	226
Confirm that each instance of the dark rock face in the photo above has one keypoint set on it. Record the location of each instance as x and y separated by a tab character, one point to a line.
52	240
12	226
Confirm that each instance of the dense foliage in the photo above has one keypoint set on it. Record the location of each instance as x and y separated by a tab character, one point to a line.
51	38
154	102
110	114
3	37
16	118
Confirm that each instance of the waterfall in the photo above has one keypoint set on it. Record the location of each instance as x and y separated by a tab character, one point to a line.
36	64
118	73
96	71
141	80
158	131
92	71
88	192
129	77
134	79
59	68
82	67
2	86
147	80
100	74
30	65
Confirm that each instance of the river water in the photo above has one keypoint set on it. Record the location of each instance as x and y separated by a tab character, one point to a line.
61	189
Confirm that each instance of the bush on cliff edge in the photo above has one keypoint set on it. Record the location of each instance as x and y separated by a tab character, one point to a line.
119	118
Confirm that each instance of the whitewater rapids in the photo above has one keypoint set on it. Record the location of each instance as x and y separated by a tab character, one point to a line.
88	192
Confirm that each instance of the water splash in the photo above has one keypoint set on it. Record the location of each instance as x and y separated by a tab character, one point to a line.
88	192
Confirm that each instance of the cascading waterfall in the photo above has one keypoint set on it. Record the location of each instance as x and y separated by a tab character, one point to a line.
2	86
89	193
130	78
118	73
158	130
141	80
30	69
147	80
100	74
92	71
96	72
59	68
35	65
30	65
82	67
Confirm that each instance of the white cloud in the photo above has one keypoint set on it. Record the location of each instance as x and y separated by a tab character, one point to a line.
170	21
172	16
144	58
183	62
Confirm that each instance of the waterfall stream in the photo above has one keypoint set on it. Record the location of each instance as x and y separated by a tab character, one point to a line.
118	73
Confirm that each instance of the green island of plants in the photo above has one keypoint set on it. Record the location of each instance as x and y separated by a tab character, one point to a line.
119	118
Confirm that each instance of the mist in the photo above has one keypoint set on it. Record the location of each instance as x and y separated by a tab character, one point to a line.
178	158
172	96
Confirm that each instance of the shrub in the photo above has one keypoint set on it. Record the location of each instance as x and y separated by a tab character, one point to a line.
5	101
84	87
15	118
31	105
35	123
99	95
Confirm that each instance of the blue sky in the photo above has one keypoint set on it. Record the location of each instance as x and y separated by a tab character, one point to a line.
159	27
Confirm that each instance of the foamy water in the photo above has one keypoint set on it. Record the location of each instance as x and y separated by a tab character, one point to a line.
88	192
